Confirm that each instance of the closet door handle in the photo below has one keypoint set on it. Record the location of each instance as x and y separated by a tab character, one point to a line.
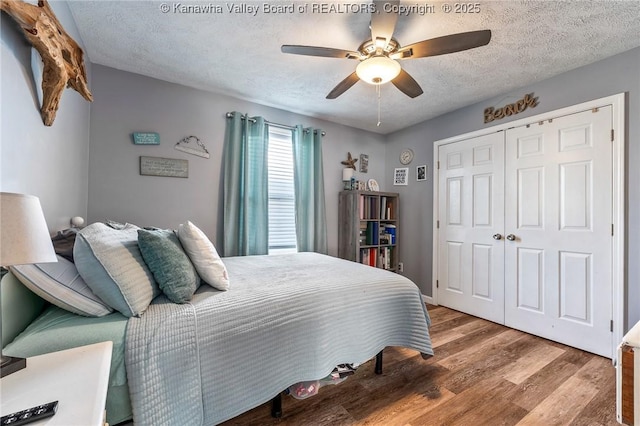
497	237
511	237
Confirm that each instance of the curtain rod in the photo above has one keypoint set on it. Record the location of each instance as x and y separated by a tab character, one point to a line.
282	126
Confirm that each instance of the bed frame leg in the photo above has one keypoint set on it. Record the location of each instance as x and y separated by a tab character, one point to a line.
379	363
276	406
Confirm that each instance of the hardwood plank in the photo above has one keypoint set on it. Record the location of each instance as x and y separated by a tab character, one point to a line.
537	387
563	405
600	411
529	364
404	411
483	331
439	314
445	337
438	327
487	364
466	356
466	405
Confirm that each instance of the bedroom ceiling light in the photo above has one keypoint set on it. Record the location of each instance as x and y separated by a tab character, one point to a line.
378	70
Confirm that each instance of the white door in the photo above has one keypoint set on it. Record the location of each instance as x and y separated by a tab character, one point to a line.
558	216
471	213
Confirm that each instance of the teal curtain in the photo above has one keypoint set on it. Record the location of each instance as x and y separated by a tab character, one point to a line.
246	192
311	221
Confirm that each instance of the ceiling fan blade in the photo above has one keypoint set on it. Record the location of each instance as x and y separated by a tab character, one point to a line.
383	23
442	45
325	52
343	86
407	84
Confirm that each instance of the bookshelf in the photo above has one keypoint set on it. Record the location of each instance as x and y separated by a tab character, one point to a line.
368	228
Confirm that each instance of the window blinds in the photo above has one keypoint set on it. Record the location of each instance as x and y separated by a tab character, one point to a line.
282	222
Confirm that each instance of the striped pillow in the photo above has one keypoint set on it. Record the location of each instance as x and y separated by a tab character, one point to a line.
61	284
110	262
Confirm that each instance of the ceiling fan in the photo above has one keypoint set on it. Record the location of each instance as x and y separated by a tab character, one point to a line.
379	55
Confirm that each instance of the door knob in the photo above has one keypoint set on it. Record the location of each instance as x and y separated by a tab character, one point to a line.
497	237
511	237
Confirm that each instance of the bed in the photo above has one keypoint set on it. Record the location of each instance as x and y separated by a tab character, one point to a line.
284	319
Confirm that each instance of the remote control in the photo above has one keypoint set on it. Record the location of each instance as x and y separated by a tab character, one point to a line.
30	415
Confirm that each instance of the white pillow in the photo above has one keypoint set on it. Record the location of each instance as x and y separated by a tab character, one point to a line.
61	284
204	256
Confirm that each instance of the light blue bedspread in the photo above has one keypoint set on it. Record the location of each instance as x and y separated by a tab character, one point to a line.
285	319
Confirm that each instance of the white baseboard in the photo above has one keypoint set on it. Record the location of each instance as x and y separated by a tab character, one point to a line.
427	299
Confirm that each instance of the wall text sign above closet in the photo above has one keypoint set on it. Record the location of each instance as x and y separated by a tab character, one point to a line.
528	101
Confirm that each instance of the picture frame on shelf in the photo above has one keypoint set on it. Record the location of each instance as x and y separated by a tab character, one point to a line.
400	176
421	173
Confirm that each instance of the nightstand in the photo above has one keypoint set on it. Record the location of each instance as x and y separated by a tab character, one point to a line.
77	378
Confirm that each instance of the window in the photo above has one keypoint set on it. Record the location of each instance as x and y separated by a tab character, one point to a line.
282	219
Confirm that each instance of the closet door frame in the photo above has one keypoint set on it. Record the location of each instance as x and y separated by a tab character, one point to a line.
618	143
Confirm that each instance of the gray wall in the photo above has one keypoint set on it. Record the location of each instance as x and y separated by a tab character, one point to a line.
126	103
49	162
618	74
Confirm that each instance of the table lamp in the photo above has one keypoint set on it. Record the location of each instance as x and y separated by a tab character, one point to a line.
24	239
347	177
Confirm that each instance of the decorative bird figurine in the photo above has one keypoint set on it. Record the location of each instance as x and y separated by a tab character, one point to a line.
350	162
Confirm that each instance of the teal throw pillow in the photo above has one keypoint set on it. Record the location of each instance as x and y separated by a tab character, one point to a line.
169	264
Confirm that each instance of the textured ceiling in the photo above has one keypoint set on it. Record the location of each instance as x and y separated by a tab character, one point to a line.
237	52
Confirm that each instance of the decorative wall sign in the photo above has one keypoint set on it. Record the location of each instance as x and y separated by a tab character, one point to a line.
528	101
421	173
400	176
196	148
146	138
158	166
364	163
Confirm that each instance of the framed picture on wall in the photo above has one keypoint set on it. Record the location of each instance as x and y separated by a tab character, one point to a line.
400	176
364	163
421	173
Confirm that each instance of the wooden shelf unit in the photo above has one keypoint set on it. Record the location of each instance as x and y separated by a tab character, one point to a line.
368	228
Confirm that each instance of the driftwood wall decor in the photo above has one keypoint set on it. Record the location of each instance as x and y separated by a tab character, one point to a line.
61	55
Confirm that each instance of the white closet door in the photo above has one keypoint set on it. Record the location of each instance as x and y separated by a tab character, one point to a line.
558	211
471	213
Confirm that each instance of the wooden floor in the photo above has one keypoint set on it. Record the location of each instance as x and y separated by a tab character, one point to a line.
482	374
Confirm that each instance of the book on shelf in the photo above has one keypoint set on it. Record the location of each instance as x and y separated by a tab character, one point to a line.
387	234
372	233
362	234
368	207
381	257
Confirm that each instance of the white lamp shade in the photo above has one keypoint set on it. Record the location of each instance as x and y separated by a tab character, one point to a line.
24	236
378	70
347	174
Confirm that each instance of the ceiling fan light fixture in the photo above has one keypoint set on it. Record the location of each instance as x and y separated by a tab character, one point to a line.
378	70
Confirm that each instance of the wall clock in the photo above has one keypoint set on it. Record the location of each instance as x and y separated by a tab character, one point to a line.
406	156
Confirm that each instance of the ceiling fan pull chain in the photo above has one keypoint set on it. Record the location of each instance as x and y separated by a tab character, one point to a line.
378	92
